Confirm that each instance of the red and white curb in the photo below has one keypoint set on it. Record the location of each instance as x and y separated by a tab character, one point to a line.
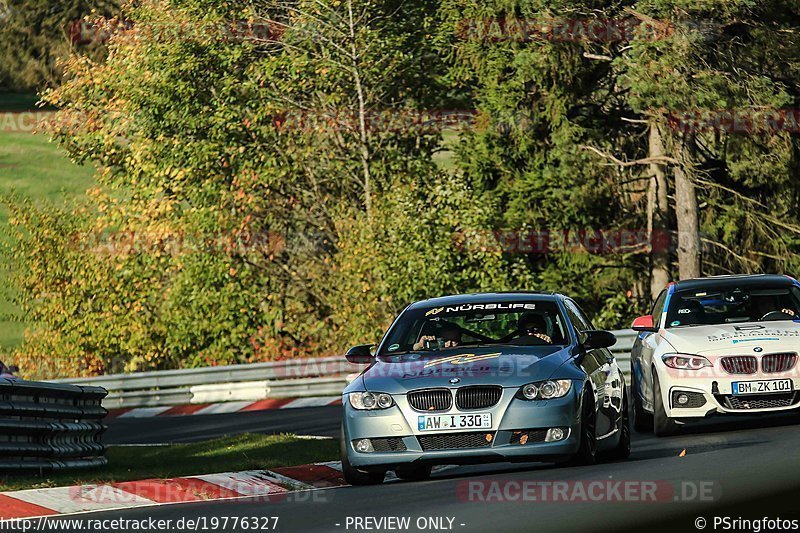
273	485
224	407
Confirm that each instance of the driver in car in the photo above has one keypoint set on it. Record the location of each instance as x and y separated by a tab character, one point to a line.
449	333
764	306
534	325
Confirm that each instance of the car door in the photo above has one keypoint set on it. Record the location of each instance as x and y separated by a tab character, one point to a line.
644	346
597	364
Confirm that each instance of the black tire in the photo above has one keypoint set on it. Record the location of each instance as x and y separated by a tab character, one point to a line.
353	475
587	451
642	420
623	449
663	426
413	472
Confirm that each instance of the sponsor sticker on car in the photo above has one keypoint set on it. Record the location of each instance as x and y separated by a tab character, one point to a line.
454	422
762	387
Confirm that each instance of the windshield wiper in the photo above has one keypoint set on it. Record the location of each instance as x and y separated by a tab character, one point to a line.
392	354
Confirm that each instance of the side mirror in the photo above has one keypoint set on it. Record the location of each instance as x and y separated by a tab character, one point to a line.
13	369
361	354
644	323
596	339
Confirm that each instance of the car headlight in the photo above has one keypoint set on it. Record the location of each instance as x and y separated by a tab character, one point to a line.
685	361
546	390
367	401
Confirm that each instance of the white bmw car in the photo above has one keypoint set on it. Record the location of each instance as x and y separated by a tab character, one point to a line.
718	345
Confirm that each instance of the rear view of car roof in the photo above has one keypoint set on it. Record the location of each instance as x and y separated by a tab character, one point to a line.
731	282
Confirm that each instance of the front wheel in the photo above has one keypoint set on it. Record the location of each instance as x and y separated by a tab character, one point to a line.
587	451
353	475
623	449
663	425
642	420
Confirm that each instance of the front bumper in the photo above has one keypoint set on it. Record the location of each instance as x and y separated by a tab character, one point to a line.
510	415
713	394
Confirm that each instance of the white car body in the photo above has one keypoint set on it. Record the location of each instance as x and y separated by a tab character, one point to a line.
766	351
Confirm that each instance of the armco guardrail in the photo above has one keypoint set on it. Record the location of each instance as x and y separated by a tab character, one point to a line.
280	379
622	349
47	426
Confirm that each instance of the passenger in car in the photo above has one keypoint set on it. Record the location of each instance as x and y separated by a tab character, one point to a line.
449	333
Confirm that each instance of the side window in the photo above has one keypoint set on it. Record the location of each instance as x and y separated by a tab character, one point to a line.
658	307
583	316
578	320
561	329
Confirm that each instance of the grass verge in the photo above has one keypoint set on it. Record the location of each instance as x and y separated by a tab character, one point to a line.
33	167
228	454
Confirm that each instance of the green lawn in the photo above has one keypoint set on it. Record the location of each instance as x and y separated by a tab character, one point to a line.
445	159
228	454
31	166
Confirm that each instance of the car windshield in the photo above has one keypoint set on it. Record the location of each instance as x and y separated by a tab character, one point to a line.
733	305
532	323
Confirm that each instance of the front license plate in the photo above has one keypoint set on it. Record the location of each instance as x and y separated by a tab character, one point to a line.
451	422
762	387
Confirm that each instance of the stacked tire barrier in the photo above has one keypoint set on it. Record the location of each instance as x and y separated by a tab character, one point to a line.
46	427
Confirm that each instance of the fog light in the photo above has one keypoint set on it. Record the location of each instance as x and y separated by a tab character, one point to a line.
364	446
555	434
683	399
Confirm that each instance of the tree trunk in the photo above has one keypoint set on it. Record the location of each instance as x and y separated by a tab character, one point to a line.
657	216
687	214
362	123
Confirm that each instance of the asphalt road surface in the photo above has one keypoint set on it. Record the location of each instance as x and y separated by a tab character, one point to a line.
740	468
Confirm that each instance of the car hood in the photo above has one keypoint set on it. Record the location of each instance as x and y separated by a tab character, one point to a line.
506	366
736	338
